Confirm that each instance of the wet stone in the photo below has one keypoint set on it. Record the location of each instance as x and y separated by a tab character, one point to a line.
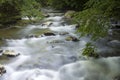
10	53
49	34
31	36
49	23
71	38
2	70
117	78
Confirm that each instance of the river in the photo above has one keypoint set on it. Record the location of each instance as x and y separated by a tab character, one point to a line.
53	57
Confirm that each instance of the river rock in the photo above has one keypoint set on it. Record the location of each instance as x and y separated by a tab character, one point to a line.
1	51
71	38
63	33
2	70
114	44
55	41
69	14
49	34
117	78
46	15
31	36
48	23
10	53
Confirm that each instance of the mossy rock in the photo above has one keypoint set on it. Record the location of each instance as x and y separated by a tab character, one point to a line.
49	34
71	38
69	14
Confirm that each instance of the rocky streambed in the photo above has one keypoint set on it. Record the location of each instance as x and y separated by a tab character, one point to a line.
51	50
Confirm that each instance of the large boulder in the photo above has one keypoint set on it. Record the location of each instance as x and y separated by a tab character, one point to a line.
2	70
69	14
10	53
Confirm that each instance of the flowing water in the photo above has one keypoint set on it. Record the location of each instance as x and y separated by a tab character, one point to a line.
54	58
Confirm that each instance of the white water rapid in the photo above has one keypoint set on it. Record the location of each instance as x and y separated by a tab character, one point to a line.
54	58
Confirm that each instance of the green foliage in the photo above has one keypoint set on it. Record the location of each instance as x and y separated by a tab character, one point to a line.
89	51
110	8
31	9
43	3
94	20
8	12
13	10
67	4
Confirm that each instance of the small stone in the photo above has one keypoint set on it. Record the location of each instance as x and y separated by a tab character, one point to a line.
46	15
1	50
2	70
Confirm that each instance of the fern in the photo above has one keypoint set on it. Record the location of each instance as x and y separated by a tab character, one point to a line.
89	51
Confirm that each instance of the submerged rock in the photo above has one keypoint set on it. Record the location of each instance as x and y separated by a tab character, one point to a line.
63	33
31	36
55	41
10	53
2	70
114	44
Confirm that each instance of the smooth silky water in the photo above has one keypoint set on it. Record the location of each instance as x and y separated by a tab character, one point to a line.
43	58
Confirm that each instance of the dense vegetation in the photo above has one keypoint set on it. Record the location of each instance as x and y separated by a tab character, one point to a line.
67	4
9	12
95	19
13	10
